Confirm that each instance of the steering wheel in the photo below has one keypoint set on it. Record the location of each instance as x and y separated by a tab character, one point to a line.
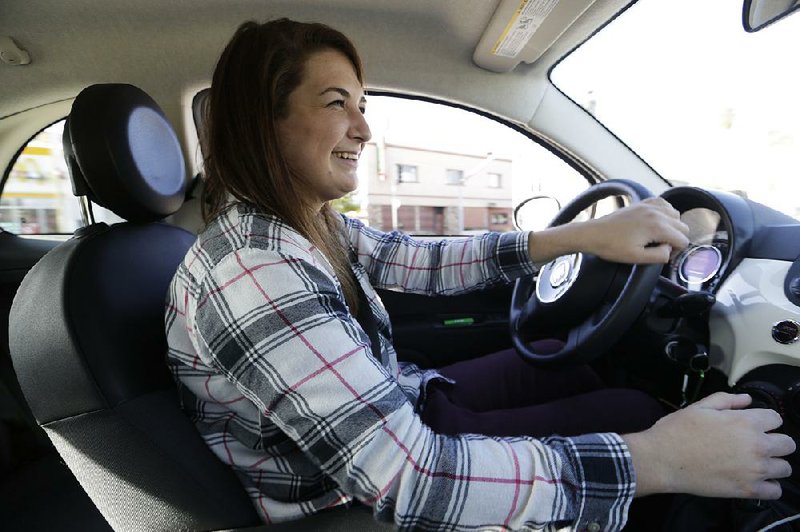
596	300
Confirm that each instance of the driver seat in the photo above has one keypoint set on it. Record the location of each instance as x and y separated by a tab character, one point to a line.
86	329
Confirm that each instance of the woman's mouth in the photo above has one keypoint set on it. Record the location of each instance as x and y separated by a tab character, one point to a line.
346	155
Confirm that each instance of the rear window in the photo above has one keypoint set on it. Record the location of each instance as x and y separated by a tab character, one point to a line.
37	195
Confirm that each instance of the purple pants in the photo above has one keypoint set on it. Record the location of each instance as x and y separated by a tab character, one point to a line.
501	395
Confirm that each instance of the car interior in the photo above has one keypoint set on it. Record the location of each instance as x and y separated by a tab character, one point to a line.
91	432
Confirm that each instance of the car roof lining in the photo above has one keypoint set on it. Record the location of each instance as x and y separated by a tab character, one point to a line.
177	44
62	40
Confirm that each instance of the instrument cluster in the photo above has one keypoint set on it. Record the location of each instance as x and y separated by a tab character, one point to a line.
699	266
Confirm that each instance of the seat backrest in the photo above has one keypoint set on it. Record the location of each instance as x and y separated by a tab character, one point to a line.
86	330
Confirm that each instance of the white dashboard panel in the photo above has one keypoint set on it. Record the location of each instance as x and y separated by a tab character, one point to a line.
749	303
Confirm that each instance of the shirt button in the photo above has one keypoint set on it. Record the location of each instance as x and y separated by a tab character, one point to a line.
594	526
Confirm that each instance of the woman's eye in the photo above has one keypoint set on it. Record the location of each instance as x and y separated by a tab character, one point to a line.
336	103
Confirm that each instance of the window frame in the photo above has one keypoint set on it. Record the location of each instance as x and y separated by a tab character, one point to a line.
581	168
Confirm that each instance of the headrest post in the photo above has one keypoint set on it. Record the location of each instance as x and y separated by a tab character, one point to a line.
86	211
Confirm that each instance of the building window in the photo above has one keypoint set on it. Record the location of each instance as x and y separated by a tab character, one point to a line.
499	218
407	173
495	180
454	177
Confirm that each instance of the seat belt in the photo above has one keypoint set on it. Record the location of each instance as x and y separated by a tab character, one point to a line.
367	320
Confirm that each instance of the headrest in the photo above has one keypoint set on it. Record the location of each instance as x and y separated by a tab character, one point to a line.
123	154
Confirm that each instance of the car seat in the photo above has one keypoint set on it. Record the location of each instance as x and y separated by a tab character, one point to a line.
86	334
86	329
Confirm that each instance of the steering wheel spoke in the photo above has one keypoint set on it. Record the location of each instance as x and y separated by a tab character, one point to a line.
529	311
577	335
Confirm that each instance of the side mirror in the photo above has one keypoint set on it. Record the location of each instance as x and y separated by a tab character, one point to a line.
536	213
758	14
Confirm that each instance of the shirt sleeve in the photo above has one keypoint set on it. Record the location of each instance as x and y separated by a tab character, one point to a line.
448	266
275	325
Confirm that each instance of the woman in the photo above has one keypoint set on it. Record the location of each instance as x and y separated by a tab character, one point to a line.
269	331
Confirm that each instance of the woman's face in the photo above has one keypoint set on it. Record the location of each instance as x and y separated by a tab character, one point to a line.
324	132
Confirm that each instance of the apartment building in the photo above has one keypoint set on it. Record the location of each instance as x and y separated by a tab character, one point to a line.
424	191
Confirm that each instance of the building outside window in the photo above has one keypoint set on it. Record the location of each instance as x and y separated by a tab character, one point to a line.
407	173
454	177
450	161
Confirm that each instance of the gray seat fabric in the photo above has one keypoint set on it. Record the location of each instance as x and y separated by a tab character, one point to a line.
86	330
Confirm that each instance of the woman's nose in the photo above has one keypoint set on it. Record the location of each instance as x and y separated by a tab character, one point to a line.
360	129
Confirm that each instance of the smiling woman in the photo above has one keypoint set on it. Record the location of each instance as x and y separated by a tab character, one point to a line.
283	350
325	131
296	388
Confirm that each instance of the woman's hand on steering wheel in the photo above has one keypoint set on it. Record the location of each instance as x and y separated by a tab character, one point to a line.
578	291
643	233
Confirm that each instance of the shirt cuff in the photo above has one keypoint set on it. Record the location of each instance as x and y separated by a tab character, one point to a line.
604	478
513	258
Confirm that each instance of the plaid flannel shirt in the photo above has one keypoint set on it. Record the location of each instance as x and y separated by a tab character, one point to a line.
280	380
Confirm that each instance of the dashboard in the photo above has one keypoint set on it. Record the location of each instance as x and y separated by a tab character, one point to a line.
747	257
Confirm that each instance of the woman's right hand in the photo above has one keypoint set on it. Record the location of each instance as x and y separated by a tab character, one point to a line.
715	448
647	232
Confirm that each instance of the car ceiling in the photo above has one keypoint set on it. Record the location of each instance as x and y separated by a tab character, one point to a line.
169	49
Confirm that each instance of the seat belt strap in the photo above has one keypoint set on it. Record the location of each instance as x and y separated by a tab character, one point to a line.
367	320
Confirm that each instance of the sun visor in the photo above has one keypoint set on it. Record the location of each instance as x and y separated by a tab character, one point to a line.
523	30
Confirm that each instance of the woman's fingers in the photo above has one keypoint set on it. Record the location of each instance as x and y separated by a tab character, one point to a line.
724	401
767	490
646	232
781	445
714	448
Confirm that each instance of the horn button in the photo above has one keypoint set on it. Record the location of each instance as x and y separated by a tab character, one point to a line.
556	277
572	286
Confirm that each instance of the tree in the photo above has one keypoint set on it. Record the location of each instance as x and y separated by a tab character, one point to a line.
346	203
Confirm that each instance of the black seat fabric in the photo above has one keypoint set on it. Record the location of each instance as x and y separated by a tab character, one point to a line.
86	330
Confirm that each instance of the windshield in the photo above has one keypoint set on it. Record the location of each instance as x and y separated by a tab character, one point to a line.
698	98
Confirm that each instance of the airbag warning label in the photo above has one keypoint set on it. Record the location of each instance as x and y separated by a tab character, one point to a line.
526	20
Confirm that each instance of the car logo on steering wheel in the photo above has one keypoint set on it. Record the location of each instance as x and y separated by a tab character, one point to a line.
560	273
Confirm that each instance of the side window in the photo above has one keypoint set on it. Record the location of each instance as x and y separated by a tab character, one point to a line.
37	196
432	169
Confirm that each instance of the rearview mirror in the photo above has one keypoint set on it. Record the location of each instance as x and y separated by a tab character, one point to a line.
757	14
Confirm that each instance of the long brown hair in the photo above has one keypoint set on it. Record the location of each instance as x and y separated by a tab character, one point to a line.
259	68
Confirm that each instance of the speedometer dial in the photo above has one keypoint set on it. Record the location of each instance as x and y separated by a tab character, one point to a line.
699	264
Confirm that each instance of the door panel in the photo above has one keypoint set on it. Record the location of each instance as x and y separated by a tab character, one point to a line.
436	331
